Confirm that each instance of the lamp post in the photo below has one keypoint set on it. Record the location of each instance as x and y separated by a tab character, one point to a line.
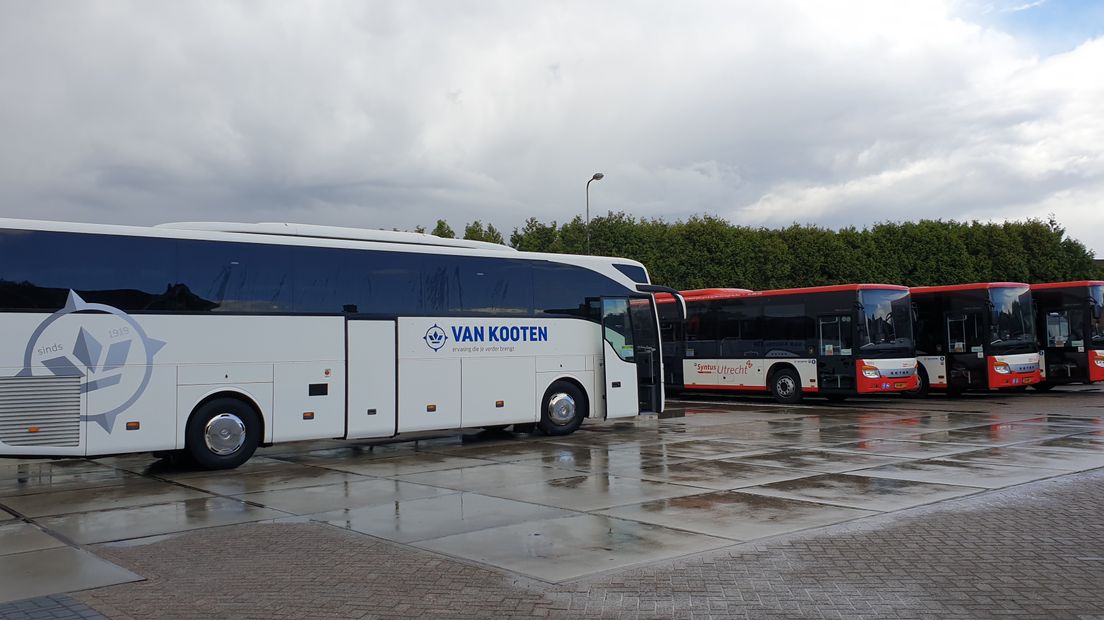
598	176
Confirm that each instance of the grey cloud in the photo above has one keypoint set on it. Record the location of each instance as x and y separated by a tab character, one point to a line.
392	114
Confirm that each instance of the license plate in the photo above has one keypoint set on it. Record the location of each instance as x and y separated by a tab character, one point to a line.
900	384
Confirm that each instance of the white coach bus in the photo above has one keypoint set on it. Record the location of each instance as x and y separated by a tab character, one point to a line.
215	338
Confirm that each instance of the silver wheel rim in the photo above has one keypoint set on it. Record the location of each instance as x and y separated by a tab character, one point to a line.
561	409
224	434
786	386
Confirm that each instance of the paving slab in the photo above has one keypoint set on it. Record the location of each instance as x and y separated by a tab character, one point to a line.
900	449
407	464
142	521
1081	441
735	515
139	493
816	460
719	475
486	476
52	476
709	449
230	483
53	571
962	473
862	492
560	549
435	517
19	537
970	436
601	460
1026	455
585	493
255	465
343	495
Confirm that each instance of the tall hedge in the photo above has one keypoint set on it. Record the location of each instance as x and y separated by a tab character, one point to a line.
708	251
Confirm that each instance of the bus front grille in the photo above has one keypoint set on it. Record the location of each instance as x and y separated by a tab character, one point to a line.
40	411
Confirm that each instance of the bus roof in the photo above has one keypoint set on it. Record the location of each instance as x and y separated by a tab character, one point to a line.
1076	284
710	294
976	286
315	231
216	231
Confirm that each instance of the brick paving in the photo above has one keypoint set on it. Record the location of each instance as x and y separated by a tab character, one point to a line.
1032	551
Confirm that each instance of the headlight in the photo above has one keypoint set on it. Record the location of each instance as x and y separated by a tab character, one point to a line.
1099	361
871	372
1001	367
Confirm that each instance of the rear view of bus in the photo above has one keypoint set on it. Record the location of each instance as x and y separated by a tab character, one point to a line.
976	337
834	341
1070	321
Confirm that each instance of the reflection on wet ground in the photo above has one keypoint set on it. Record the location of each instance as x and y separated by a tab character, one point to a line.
708	474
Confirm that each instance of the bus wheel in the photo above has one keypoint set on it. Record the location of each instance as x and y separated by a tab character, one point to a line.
921	385
1043	387
786	386
562	409
222	434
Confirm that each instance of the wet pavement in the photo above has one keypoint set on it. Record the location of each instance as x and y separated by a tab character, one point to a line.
709	476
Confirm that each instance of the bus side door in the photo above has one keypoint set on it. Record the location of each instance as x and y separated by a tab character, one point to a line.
619	359
370	375
835	359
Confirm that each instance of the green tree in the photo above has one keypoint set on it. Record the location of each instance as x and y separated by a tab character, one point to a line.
443	230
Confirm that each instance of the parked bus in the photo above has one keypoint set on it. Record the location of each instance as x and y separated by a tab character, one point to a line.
833	341
215	338
1070	321
976	337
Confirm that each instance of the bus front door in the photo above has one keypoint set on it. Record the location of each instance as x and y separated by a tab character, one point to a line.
648	355
618	359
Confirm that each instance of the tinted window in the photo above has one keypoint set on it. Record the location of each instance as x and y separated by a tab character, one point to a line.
37	270
333	280
563	289
236	277
636	273
493	286
786	329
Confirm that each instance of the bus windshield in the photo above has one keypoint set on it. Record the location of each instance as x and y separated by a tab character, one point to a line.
1012	326
885	325
1096	315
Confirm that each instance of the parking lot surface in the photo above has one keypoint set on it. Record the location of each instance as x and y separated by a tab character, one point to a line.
971	507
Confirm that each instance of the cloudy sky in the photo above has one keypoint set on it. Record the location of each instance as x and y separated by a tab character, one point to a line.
393	114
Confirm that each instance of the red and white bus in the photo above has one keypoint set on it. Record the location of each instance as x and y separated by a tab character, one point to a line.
976	337
833	341
1070	321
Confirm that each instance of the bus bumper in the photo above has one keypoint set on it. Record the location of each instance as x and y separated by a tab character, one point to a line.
1012	371
886	375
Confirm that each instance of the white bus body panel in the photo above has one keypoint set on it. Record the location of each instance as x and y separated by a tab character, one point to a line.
371	407
153	369
512	360
748	374
498	391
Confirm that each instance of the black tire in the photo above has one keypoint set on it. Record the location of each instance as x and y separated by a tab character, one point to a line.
212	434
785	386
923	387
562	409
1043	387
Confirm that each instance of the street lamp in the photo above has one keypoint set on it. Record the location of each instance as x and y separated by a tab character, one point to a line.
598	176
